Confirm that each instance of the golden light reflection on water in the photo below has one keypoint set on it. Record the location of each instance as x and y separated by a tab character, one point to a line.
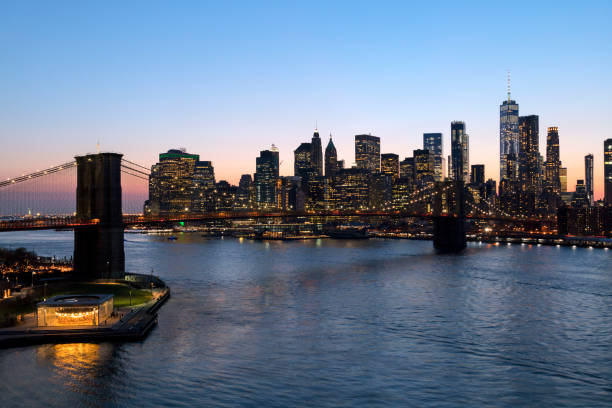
75	360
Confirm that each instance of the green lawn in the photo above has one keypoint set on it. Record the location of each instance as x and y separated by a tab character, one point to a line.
120	291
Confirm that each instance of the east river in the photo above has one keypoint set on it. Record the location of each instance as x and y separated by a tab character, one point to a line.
339	323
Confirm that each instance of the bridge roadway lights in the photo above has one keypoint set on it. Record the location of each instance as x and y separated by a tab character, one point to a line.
98	248
449	234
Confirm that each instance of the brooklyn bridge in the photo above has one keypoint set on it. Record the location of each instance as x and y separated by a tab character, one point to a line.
103	210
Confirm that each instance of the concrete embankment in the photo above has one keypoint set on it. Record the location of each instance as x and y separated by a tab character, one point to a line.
132	327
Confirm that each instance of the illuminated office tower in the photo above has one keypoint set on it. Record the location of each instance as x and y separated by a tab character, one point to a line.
550	200
303	165
379	191
423	167
478	174
433	143
580	198
466	158
459	150
508	132
171	183
367	152
290	196
352	189
225	196
553	164
204	190
563	179
407	168
317	154
608	171
449	167
529	172
266	173
588	177
389	164
331	159
245	196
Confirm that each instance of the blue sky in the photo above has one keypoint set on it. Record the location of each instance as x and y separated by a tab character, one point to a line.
227	79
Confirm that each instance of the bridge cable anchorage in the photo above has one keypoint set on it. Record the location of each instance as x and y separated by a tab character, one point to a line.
41	173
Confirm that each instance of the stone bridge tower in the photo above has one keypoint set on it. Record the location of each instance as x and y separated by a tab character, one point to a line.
449	216
98	248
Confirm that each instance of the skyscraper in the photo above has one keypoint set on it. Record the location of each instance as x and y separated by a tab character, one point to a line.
389	164
351	191
317	154
553	164
204	187
367	152
478	174
407	169
580	198
245	196
588	176
423	167
563	179
331	159
459	147
266	173
608	171
433	143
508	132
466	157
171	184
529	156
303	165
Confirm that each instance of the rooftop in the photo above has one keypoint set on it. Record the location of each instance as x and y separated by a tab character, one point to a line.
76	300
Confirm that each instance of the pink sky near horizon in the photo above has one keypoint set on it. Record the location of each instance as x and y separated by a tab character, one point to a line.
481	152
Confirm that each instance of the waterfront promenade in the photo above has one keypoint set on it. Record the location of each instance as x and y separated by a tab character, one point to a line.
131	324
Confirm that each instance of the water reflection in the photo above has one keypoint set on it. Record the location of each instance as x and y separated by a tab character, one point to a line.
87	369
357	323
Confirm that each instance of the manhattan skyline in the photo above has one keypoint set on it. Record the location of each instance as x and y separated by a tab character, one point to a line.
228	83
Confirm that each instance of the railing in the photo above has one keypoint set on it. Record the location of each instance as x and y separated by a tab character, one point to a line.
69	222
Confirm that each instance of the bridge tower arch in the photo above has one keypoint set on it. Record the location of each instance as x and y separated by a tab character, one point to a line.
98	247
449	216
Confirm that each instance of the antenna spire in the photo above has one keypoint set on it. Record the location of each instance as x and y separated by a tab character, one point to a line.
98	146
508	86
316	126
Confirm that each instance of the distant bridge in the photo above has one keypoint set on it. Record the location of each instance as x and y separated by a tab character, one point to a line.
101	217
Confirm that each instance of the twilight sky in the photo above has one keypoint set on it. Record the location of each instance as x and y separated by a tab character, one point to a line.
227	79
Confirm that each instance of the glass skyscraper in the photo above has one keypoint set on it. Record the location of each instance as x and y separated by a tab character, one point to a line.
433	143
331	159
266	173
529	159
508	134
608	171
367	152
317	154
389	164
303	165
553	164
459	149
588	176
171	184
